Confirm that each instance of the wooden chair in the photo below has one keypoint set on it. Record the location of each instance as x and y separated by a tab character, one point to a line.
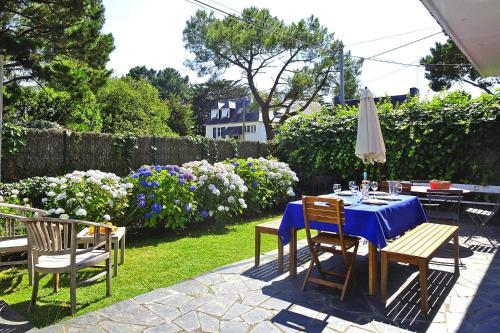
270	228
329	211
54	247
13	238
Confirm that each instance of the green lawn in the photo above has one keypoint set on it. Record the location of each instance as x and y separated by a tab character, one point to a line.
152	260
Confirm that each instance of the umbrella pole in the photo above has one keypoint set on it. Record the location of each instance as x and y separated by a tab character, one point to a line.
379	171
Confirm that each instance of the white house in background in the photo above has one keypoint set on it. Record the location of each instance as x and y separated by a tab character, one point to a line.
233	119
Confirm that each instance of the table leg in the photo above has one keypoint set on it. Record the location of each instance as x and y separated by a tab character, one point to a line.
115	257
293	252
122	250
372	269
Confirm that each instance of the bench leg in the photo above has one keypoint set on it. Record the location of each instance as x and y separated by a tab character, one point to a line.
383	277
280	256
257	247
423	287
457	252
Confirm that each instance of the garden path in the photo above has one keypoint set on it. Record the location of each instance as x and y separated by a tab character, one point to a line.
242	298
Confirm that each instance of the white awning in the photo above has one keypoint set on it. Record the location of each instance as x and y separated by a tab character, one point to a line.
474	25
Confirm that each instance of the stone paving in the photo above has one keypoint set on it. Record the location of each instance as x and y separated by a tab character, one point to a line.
242	298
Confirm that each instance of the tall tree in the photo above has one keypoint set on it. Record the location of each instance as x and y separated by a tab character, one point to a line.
54	41
205	95
132	106
181	116
168	81
444	76
301	57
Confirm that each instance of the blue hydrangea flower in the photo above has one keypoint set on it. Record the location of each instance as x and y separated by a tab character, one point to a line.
188	176
172	173
187	207
155	183
249	163
255	183
156	208
151	196
176	168
141	203
253	169
135	175
204	214
141	196
144	183
181	181
192	188
236	163
147	215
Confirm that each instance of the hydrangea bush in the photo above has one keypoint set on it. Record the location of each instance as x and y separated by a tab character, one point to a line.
269	181
219	188
164	194
87	195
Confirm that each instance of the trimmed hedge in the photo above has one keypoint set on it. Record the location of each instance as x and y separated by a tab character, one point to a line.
451	136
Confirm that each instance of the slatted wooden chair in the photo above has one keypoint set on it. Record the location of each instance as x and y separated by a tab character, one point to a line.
329	211
54	246
13	238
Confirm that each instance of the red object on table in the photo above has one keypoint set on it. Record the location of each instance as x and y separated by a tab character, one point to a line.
439	185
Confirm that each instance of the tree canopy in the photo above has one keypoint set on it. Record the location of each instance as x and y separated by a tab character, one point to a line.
301	57
57	41
132	106
168	81
442	77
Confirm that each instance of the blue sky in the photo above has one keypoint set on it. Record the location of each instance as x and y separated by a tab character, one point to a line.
149	32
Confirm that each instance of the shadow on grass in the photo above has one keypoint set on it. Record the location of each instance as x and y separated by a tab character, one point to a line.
139	236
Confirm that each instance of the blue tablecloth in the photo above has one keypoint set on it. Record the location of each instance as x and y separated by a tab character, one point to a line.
374	223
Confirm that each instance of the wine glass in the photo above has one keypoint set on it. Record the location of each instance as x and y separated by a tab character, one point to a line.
337	188
374	185
352	183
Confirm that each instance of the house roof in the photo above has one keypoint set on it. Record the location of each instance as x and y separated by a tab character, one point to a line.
395	99
474	26
236	114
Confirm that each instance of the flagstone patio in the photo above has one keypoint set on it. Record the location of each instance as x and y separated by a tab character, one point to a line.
242	298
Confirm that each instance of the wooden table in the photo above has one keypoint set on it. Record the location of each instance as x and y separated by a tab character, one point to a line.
422	189
117	242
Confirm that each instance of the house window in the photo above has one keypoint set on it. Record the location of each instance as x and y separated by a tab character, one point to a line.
250	128
219	132
214	132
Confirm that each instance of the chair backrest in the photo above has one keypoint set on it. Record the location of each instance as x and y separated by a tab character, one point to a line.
451	198
11	214
50	236
323	210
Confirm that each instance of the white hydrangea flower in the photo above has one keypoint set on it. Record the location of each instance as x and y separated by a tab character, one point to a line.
220	208
61	196
80	194
230	199
44	200
51	211
59	211
64	216
51	193
107	217
81	212
52	185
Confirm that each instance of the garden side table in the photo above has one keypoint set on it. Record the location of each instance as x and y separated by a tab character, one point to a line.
117	241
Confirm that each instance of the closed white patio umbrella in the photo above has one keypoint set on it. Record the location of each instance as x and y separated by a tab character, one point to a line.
370	145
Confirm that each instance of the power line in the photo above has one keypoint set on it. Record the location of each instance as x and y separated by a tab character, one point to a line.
390	36
404	45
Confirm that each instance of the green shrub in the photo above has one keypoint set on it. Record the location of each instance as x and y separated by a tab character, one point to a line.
269	182
449	137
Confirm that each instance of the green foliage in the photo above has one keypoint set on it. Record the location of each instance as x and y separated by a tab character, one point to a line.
28	104
132	106
206	95
449	137
442	77
303	55
181	116
30	190
13	137
168	81
57	41
270	183
207	148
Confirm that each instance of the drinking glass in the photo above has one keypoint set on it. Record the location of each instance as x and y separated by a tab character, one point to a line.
337	188
374	185
352	183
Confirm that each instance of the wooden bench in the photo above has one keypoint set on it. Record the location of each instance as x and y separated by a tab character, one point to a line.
418	247
270	228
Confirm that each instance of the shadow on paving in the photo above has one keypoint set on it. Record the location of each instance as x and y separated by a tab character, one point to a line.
11	322
324	305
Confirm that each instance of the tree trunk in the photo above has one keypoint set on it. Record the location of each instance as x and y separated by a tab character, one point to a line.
267	123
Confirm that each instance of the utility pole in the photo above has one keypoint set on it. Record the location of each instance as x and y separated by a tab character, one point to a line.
341	74
1	112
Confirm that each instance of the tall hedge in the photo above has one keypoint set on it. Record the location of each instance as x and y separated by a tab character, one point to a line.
451	136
